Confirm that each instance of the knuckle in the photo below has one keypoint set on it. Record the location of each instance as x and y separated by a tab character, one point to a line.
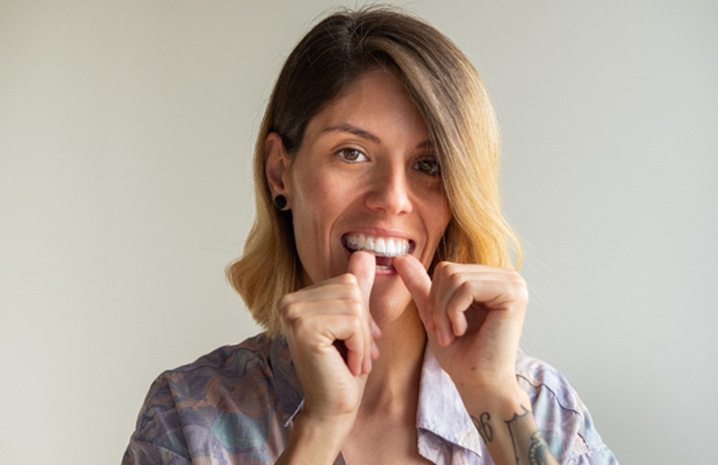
347	278
302	325
291	309
456	279
467	287
519	287
291	316
355	323
517	278
523	294
440	268
288	311
356	308
355	294
519	294
291	324
285	301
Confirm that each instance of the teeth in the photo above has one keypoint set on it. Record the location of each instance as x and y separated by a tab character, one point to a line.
381	246
392	249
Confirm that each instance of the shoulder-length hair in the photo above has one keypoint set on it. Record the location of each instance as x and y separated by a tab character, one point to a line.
450	96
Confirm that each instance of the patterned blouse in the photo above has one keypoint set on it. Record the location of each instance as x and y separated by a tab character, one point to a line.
236	405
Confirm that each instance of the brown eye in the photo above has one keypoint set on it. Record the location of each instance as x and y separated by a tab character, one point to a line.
428	166
352	155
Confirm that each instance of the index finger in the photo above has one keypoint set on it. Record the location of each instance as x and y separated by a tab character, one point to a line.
416	280
363	266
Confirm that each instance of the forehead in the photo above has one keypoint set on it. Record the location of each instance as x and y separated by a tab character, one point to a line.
377	102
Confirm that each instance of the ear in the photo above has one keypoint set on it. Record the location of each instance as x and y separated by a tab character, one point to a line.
277	166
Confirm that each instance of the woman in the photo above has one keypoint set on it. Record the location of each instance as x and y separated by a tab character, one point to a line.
380	266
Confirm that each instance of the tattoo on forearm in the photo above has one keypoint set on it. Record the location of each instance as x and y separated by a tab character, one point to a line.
529	447
514	430
538	450
482	424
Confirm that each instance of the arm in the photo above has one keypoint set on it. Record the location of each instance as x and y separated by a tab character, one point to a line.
313	320
312	443
473	316
509	431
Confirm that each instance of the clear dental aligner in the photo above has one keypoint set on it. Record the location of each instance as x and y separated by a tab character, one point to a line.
380	246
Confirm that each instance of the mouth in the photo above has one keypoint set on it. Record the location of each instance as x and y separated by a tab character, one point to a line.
383	248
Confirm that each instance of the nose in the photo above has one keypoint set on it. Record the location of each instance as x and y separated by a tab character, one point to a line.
390	191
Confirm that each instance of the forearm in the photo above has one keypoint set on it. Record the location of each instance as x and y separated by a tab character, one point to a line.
507	426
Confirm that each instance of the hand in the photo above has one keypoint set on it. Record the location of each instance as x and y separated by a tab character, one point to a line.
331	335
473	315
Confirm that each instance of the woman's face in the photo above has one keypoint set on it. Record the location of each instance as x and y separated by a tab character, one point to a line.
366	177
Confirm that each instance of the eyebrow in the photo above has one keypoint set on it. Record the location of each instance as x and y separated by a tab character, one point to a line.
364	134
357	131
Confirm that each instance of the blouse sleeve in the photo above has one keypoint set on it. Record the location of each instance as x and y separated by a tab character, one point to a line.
562	417
140	452
601	456
158	438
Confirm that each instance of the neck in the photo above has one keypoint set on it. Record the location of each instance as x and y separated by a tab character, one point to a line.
393	384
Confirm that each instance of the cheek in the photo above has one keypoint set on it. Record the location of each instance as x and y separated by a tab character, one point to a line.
440	213
317	202
307	218
439	221
315	199
321	190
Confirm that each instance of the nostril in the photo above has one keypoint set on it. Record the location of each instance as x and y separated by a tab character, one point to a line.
391	195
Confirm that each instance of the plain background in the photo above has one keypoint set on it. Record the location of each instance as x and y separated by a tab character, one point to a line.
126	132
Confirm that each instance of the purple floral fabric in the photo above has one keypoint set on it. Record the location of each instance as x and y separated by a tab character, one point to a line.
236	405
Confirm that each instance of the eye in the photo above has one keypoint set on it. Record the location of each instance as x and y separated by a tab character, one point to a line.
352	155
428	166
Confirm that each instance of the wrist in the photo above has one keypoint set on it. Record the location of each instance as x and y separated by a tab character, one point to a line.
316	440
503	399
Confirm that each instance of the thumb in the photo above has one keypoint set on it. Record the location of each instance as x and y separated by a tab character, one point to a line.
363	266
417	281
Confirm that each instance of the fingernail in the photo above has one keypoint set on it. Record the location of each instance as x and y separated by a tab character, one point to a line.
375	330
445	339
374	351
448	338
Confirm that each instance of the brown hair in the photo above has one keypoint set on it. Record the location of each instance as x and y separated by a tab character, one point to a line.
455	106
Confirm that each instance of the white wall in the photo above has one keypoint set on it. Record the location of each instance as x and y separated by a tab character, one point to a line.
125	138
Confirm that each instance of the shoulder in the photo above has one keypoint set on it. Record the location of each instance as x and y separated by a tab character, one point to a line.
208	404
234	365
220	372
561	415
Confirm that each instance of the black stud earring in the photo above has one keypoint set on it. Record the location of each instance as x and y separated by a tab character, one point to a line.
280	202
